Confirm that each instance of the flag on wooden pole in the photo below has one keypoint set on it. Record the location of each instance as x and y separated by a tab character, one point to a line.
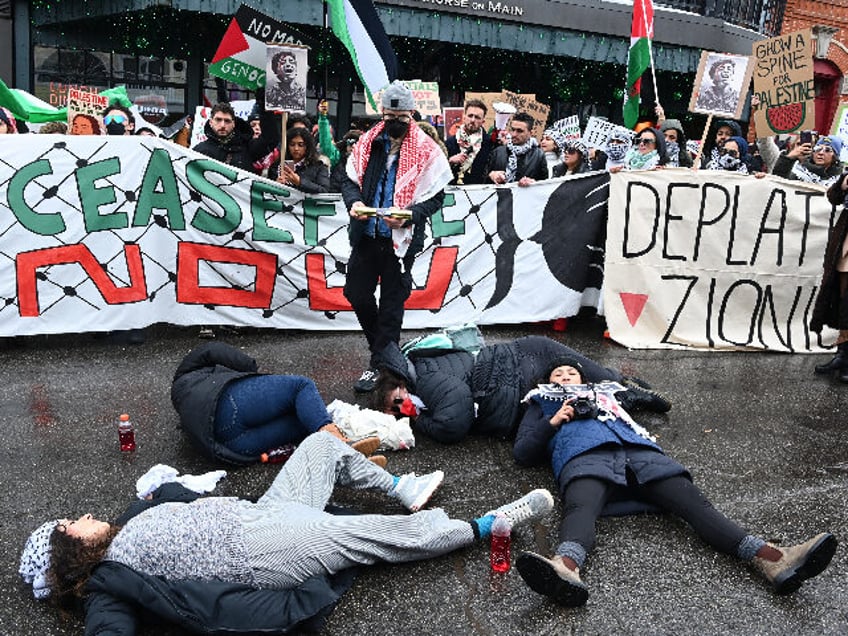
357	25
638	58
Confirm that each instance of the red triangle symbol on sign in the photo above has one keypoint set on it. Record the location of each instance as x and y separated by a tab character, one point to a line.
233	42
633	305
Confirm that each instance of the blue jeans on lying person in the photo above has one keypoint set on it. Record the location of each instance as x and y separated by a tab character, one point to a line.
260	412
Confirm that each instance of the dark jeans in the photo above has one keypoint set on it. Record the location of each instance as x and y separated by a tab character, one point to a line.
260	412
372	261
585	498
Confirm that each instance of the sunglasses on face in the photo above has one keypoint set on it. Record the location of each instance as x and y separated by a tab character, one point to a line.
646	141
118	119
731	152
571	151
823	148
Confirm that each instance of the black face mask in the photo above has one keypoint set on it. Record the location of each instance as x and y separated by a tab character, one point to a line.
114	128
396	129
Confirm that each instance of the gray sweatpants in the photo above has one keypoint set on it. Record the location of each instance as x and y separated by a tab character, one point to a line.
289	537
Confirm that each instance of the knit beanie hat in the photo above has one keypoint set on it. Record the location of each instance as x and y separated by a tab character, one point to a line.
35	560
398	97
833	141
743	146
563	361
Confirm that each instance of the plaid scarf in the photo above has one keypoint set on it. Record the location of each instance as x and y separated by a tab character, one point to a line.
423	169
514	152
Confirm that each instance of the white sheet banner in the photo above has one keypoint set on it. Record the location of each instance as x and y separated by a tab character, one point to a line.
107	233
714	260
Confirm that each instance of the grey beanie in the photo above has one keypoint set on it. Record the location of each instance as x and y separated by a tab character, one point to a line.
398	97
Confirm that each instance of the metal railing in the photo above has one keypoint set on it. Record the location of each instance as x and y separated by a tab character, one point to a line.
763	16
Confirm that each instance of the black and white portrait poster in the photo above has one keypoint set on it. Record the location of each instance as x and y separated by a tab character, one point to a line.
721	84
285	86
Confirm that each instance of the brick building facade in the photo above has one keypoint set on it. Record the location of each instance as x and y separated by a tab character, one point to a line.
831	72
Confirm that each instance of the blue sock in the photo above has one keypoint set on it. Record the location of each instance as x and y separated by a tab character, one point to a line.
395	481
484	526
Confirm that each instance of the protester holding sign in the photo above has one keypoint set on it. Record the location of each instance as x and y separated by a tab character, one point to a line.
605	462
831	306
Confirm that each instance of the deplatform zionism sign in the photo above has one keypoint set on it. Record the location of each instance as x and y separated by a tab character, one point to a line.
100	233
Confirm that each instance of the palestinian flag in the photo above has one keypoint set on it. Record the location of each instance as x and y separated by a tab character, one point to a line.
356	24
240	57
638	58
28	107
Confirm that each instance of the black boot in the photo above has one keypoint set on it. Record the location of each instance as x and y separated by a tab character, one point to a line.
843	374
839	362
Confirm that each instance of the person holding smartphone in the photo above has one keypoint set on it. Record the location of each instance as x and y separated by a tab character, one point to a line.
302	168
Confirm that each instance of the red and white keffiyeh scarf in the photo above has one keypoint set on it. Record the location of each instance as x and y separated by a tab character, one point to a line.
423	170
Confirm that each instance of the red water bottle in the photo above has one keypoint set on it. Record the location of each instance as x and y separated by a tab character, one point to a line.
126	433
500	557
279	455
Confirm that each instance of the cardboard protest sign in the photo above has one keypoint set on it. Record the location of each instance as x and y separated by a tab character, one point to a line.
523	103
285	80
84	112
427	100
721	84
783	80
598	131
240	57
840	129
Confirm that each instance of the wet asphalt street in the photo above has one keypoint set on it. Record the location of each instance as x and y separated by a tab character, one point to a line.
765	438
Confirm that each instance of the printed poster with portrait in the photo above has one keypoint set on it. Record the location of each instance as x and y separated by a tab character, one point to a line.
721	84
285	84
84	112
453	116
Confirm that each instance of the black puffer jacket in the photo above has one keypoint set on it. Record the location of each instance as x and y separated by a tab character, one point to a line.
120	597
451	382
198	383
241	149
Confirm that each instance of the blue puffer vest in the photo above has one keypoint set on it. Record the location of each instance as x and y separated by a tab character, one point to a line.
580	436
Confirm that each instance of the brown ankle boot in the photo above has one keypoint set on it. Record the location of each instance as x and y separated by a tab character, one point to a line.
797	563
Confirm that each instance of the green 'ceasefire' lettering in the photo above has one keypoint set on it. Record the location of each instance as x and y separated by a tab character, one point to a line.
39	223
442	228
313	209
259	205
159	191
92	197
204	220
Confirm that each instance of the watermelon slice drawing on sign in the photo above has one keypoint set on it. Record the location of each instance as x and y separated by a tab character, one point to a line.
788	118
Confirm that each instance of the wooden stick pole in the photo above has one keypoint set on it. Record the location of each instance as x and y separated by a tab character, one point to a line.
697	163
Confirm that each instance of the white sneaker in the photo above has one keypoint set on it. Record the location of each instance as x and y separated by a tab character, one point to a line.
414	491
532	506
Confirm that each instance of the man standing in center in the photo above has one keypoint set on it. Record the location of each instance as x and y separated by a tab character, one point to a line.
520	159
398	170
469	149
